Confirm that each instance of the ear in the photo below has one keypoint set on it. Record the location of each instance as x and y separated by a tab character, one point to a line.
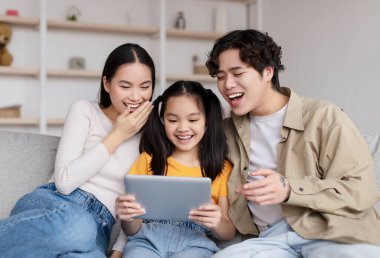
106	84
268	73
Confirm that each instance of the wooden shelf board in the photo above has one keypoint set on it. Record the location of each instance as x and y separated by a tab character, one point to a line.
177	33
19	20
9	70
73	73
75	25
16	121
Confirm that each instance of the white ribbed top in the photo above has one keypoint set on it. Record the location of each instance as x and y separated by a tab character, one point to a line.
82	160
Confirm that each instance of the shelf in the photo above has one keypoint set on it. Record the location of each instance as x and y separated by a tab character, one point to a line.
20	21
177	33
29	121
73	73
87	26
18	71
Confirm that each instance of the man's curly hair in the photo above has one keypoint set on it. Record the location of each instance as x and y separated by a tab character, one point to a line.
256	49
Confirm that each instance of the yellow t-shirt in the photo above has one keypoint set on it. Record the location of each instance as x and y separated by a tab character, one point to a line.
218	187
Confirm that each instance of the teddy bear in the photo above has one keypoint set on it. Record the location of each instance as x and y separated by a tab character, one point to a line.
5	36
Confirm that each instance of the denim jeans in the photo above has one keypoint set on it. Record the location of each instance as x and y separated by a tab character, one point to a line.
45	223
281	241
166	238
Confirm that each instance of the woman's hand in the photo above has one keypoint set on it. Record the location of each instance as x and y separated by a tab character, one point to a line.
128	124
127	208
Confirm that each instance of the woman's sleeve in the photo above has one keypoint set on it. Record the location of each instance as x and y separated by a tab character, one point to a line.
73	166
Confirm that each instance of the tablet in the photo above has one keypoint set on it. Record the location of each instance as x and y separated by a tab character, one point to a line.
167	197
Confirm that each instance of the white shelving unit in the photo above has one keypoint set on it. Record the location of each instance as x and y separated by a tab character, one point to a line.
163	33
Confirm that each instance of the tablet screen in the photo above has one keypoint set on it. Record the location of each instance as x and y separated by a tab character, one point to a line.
167	197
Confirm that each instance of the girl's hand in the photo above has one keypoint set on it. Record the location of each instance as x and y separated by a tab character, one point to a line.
127	208
128	124
208	215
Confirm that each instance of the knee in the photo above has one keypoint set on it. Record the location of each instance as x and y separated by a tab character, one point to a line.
76	229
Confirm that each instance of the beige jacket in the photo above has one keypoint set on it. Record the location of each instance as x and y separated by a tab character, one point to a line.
329	169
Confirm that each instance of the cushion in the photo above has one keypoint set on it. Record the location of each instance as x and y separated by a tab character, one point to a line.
27	161
373	142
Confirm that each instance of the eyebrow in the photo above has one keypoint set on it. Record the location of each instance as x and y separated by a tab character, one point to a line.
128	82
192	114
232	69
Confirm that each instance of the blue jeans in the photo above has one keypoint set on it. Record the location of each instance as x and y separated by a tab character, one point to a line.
175	239
281	241
45	223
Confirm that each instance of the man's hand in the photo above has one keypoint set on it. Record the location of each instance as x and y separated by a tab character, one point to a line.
273	188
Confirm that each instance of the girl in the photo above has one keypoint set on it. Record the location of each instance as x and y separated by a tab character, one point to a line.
184	138
73	216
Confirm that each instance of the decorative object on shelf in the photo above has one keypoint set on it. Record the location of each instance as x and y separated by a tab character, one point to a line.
77	63
220	19
198	68
180	22
5	37
11	12
73	13
10	111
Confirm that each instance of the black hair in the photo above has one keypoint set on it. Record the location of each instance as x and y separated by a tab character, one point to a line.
124	54
255	48
212	147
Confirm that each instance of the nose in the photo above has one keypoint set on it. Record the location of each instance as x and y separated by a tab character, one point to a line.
230	82
134	95
182	126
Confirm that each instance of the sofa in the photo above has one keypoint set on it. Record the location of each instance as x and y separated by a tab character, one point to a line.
27	161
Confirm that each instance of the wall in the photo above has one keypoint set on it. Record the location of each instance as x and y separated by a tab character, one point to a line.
331	51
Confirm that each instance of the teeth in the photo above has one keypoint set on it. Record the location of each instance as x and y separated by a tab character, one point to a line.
131	105
184	137
232	96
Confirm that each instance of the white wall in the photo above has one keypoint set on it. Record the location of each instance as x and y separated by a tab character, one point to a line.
331	50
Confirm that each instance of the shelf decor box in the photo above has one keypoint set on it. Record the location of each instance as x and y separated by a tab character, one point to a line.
10	111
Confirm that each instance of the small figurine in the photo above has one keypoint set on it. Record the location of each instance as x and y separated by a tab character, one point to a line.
180	22
77	63
73	13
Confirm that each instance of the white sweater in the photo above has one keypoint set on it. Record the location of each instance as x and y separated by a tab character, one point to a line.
82	160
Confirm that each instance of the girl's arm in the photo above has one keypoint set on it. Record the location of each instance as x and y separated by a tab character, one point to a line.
127	209
215	217
116	254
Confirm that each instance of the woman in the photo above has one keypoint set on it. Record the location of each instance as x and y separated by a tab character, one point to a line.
73	217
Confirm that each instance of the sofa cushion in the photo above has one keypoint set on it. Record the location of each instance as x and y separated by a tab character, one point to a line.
27	161
373	142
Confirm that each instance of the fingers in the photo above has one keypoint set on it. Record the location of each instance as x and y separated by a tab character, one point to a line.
127	208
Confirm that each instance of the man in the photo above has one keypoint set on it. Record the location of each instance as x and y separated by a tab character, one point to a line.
303	177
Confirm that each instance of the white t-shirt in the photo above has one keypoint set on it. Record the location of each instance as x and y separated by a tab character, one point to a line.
83	161
265	136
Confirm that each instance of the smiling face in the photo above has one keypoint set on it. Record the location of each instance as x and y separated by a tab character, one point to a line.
130	86
246	90
184	122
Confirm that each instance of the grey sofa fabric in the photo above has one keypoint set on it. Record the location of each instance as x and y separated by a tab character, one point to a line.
27	161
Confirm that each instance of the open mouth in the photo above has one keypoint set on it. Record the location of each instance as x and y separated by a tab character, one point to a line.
184	138
132	106
236	96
